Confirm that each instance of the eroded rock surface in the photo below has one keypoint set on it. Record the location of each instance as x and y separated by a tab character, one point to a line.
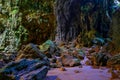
30	51
26	69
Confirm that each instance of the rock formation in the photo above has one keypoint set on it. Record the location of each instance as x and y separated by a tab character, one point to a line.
30	64
75	16
25	70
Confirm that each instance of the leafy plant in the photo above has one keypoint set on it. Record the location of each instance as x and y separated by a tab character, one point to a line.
24	21
11	22
85	38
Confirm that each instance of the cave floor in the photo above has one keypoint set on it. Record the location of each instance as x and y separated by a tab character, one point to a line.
85	73
76	73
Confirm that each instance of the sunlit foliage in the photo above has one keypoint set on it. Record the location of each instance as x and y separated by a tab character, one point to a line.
23	21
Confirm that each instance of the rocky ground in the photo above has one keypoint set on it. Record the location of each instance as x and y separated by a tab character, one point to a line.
84	72
51	61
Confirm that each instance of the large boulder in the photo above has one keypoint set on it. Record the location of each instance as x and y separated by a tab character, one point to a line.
68	60
78	54
26	69
38	74
30	51
49	48
70	56
29	64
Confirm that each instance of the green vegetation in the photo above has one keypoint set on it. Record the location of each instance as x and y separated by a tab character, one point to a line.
85	38
116	31
23	21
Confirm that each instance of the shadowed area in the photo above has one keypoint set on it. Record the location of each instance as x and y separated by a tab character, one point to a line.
51	78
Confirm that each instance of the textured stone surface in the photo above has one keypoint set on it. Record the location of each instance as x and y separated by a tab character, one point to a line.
114	61
74	16
2	63
30	51
68	60
26	69
38	74
49	48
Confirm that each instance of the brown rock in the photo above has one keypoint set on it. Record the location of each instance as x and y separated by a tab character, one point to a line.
59	62
76	71
61	44
58	79
88	62
97	49
30	51
115	75
95	67
62	69
80	66
68	60
53	65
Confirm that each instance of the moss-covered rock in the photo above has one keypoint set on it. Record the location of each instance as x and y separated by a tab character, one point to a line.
49	48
